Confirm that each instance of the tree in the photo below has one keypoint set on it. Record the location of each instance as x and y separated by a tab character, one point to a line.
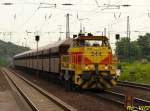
144	42
138	49
122	48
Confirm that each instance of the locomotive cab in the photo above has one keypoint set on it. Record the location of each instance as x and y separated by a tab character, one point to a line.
89	62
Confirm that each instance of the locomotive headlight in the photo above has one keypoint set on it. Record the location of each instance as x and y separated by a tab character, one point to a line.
86	68
106	67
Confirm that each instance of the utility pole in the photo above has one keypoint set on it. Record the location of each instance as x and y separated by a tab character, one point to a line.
128	36
60	32
104	31
67	27
84	30
37	38
80	27
25	42
10	36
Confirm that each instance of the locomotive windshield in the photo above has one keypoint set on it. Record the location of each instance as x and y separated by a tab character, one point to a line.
91	41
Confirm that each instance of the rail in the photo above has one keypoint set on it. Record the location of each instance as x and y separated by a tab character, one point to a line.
118	98
46	94
134	85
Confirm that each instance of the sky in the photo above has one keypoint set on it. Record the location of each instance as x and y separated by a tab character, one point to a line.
23	19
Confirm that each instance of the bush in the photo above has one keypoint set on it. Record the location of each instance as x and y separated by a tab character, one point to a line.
3	61
136	72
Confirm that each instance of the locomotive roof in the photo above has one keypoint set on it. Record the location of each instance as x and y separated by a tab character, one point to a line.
103	38
54	47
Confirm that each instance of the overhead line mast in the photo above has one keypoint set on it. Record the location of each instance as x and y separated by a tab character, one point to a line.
67	27
128	36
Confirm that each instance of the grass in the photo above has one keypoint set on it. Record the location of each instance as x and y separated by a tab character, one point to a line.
136	72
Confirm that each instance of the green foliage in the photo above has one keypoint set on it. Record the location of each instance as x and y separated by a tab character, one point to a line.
136	72
136	49
122	48
144	42
8	50
3	61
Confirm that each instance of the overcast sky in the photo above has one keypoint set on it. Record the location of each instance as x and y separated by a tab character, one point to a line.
29	16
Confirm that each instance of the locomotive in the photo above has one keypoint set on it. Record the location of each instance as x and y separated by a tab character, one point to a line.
85	61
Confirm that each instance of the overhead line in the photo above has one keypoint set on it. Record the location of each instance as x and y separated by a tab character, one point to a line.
21	26
97	3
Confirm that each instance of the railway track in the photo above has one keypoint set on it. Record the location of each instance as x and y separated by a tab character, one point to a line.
134	85
109	96
119	98
136	101
114	97
37	98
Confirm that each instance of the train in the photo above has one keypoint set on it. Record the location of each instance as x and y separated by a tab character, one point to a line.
84	61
